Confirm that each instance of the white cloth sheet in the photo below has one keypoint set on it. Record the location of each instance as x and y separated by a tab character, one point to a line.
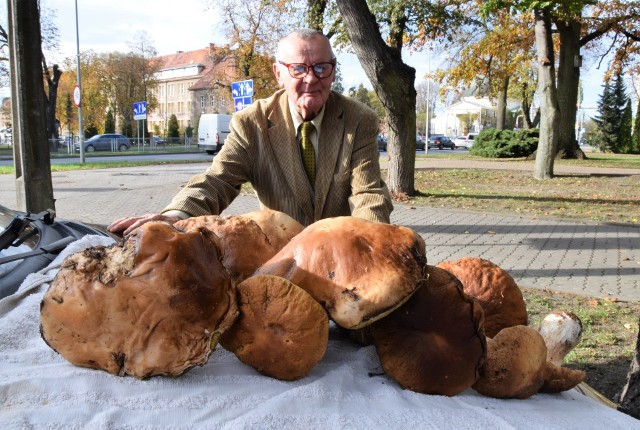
39	389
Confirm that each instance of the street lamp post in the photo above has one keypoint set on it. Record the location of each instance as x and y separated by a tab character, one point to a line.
80	125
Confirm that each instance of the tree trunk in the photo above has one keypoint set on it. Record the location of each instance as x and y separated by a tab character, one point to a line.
549	112
34	189
568	83
630	397
393	82
502	105
51	100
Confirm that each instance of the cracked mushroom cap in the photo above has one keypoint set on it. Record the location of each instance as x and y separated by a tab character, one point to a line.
153	304
434	343
281	332
244	244
358	270
497	292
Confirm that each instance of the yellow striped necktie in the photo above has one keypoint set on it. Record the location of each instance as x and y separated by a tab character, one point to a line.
308	153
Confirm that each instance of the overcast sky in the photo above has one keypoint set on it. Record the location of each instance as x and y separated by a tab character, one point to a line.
186	25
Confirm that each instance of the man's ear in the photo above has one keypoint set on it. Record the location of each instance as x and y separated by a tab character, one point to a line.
276	72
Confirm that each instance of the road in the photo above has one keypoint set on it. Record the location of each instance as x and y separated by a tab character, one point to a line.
149	156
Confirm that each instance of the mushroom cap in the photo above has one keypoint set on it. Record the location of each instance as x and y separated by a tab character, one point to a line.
515	364
244	244
434	343
281	332
279	227
494	288
154	304
561	332
358	270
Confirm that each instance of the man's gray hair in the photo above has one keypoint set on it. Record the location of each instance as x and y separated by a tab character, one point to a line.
305	34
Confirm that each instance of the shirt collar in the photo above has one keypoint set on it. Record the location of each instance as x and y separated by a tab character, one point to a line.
297	119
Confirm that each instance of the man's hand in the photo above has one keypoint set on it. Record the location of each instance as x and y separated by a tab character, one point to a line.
126	225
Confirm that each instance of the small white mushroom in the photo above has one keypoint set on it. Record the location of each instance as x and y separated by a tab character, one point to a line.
561	332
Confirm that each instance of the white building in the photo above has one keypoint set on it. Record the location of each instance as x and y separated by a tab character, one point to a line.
469	115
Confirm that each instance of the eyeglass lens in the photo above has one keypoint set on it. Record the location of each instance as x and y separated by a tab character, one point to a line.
321	70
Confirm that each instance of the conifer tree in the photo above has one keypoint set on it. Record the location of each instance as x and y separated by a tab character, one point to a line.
625	142
110	123
606	119
611	108
173	127
635	148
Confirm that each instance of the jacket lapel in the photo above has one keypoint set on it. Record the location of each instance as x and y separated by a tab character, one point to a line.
282	137
329	146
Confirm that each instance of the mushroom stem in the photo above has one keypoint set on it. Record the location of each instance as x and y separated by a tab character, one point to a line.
561	332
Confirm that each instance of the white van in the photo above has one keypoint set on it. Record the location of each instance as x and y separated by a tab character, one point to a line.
213	129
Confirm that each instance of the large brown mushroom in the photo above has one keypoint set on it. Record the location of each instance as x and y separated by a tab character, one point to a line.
434	343
358	270
281	332
279	227
516	366
244	244
497	292
154	304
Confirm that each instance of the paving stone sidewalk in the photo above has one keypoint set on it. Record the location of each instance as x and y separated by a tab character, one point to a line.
595	259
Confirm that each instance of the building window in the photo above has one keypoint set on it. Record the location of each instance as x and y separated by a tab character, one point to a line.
181	88
213	101
179	107
171	90
162	91
202	101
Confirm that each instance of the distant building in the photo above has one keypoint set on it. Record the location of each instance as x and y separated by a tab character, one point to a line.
190	84
469	115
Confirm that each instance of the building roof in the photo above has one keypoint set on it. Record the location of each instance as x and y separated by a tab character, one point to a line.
183	59
214	63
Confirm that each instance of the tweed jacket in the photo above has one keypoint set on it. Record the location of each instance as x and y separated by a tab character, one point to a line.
262	149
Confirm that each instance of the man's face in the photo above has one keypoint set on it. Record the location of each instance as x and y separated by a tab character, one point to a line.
308	94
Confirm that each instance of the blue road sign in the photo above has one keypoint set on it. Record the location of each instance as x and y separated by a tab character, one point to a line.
242	89
140	110
241	103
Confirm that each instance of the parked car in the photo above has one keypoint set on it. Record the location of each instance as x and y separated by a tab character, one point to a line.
460	141
105	142
441	142
158	141
29	242
465	141
382	143
420	145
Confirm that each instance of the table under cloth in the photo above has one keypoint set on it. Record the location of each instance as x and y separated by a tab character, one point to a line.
346	390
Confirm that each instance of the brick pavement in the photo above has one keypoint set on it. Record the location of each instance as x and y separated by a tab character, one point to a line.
595	259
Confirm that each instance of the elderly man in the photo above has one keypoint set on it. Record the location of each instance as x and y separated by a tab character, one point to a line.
307	151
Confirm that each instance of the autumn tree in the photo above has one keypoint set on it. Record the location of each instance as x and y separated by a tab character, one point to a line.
562	29
95	91
491	56
378	35
254	28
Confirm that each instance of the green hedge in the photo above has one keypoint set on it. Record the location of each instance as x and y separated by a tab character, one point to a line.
493	143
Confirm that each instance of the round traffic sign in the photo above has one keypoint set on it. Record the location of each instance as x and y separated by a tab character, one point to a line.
76	95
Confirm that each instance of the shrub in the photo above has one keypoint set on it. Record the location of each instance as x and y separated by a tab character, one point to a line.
493	143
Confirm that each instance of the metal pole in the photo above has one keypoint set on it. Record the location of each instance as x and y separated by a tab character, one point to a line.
80	125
